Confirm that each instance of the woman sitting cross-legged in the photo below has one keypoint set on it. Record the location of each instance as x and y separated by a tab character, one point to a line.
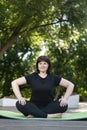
42	84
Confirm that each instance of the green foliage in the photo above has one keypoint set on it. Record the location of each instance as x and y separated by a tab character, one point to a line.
81	61
28	25
83	94
14	63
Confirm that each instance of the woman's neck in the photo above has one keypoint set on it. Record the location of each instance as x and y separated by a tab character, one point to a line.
43	74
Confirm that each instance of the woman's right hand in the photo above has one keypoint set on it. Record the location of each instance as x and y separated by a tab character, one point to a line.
22	101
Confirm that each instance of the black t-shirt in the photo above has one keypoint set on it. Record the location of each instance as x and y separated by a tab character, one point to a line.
42	88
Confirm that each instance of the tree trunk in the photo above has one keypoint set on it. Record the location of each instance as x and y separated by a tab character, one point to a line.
8	44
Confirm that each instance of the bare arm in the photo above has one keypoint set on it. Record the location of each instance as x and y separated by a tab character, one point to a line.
15	86
69	89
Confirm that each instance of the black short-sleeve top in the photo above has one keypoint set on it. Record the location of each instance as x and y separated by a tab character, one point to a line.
42	88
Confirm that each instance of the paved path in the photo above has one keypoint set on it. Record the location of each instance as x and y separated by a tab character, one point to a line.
7	124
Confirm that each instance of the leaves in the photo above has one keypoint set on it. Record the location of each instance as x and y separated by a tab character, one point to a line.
28	25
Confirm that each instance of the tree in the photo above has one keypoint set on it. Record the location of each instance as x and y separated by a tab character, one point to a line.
59	24
36	14
81	66
15	23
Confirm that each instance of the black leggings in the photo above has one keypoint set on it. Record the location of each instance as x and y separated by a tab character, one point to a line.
31	108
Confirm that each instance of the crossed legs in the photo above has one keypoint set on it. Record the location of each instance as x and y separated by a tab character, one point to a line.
53	109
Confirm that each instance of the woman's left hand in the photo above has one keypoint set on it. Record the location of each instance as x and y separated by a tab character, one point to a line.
63	102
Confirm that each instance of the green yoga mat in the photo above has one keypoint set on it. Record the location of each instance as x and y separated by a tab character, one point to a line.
66	116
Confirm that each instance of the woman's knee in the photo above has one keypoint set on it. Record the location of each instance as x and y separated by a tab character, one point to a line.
17	104
61	109
64	108
22	108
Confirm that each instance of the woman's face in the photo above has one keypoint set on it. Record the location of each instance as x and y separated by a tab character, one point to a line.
43	66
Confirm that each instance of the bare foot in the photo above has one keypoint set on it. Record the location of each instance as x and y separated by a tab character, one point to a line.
57	115
30	116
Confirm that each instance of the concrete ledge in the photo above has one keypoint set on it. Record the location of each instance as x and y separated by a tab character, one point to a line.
7	101
73	101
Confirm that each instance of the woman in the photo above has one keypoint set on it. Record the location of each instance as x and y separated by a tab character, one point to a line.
42	83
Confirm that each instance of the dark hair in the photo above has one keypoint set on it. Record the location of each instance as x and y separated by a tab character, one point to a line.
46	59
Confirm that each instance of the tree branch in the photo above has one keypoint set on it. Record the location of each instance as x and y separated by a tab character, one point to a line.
17	32
38	26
